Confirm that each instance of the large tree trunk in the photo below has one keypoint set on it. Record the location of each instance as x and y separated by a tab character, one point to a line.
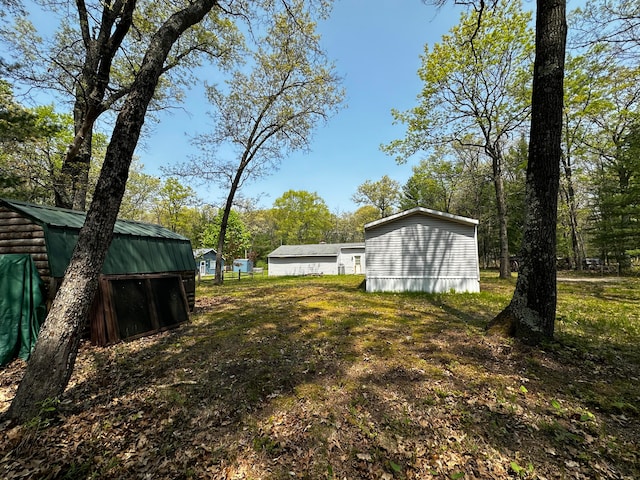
531	313
100	48
53	358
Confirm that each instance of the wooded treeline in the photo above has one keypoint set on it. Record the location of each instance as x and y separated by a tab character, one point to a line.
598	215
479	174
119	61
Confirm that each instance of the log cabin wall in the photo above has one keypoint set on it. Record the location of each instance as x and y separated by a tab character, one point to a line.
21	235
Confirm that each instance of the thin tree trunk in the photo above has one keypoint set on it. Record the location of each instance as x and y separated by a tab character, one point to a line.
53	358
570	199
531	313
224	222
501	204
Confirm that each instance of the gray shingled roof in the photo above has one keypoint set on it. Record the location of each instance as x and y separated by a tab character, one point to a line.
313	250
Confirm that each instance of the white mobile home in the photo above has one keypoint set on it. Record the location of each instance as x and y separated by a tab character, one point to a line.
422	250
317	259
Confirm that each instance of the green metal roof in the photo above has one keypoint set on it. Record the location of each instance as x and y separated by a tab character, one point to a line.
61	217
136	247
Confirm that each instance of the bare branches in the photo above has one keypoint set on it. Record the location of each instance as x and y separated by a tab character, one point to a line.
479	6
615	24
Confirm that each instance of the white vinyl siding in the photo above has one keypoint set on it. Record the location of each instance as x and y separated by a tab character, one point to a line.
315	259
280	266
347	258
422	252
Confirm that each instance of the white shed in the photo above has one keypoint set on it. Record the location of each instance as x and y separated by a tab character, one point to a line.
422	250
317	259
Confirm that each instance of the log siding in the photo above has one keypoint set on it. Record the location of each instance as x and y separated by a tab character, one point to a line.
21	235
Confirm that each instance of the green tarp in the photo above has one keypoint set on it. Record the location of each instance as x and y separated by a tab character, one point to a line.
22	306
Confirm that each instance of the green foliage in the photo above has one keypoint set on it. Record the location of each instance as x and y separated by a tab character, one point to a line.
47	410
172	207
618	201
475	81
349	226
383	194
263	229
18	124
432	185
140	195
32	146
515	167
237	238
521	472
301	217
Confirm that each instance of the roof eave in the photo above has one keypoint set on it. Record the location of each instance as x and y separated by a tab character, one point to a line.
422	211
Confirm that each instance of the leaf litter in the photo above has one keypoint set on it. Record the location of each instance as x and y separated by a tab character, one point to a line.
313	378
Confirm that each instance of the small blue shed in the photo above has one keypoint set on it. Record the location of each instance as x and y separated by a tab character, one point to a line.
243	265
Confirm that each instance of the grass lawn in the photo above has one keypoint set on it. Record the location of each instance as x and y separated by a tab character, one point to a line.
314	378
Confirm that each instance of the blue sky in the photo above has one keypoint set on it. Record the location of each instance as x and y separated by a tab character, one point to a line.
375	45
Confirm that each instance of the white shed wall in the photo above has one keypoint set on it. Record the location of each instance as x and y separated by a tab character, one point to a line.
348	258
281	266
422	253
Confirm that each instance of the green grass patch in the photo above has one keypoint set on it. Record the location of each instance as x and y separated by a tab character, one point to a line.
312	377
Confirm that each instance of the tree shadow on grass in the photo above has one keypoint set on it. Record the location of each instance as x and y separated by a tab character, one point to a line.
317	379
190	386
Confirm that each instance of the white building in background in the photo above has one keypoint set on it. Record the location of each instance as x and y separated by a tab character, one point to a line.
318	259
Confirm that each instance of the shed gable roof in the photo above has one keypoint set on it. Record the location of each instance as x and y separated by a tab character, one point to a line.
73	219
136	247
201	252
421	211
313	250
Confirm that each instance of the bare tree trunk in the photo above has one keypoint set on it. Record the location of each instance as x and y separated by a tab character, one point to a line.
570	199
531	313
53	358
72	190
501	203
224	222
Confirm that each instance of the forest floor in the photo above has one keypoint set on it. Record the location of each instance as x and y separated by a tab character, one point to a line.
315	378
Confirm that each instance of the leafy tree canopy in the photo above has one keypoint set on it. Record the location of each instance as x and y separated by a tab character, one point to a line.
383	194
301	217
237	236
